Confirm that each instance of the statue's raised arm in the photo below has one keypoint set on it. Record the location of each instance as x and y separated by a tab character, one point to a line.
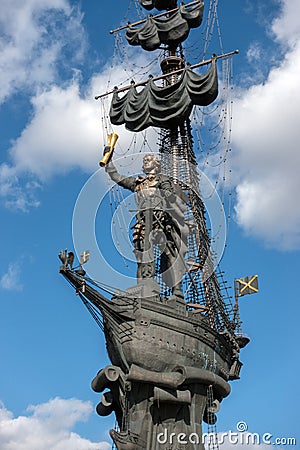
122	180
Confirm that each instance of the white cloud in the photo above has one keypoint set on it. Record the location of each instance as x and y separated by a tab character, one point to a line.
65	131
34	35
266	134
254	52
286	27
47	427
10	281
15	196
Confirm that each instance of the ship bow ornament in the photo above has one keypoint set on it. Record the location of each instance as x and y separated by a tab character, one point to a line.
173	337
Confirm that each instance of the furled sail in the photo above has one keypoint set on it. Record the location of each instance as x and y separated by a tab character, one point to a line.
170	30
158	4
164	107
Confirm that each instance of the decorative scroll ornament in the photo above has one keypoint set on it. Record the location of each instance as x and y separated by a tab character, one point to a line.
164	107
166	30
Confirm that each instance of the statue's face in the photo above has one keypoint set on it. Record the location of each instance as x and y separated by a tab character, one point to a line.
149	163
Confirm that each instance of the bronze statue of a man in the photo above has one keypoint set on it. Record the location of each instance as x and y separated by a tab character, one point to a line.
159	221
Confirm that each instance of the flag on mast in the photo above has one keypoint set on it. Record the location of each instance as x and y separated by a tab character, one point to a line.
246	285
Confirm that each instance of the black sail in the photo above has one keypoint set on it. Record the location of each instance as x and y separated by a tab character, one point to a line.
164	107
158	4
170	30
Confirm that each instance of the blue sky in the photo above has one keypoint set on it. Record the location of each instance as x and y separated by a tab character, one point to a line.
55	56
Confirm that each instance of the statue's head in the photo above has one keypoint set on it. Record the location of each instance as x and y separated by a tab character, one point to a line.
151	163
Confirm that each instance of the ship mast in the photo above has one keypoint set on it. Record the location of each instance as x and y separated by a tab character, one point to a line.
179	162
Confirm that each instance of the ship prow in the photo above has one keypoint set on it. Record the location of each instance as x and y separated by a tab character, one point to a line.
157	333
